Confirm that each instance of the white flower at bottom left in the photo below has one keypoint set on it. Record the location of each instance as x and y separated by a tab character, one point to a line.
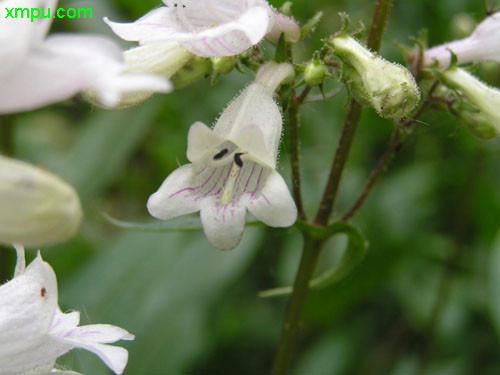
34	332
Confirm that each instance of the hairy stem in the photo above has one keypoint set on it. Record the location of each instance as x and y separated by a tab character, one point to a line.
394	143
396	140
312	247
293	126
6	148
292	325
344	146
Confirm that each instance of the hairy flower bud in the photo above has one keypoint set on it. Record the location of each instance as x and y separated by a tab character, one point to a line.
223	65
389	88
315	73
191	72
486	120
38	208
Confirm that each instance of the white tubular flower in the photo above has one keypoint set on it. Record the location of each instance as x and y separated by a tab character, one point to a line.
37	71
483	97
37	207
482	44
34	332
233	167
208	28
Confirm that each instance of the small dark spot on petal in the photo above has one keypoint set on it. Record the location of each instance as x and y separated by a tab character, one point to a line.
237	159
43	292
221	154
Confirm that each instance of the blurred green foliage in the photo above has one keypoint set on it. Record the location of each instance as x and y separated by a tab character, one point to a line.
427	292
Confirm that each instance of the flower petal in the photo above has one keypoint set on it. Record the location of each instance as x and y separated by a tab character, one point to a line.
274	205
161	21
201	139
231	38
17	34
253	121
91	337
174	197
114	357
27	306
68	64
286	25
223	225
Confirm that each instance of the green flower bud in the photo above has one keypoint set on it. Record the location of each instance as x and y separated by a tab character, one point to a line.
389	88
315	73
223	65
38	208
486	121
192	71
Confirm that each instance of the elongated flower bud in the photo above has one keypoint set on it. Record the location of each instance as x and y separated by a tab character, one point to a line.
389	88
482	44
37	207
481	96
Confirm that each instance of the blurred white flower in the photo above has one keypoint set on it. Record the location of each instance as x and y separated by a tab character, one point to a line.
233	167
483	99
482	44
34	332
209	28
38	71
38	208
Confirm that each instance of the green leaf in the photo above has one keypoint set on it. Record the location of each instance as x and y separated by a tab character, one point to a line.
178	224
354	254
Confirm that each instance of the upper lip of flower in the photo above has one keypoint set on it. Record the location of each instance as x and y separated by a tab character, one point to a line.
206	29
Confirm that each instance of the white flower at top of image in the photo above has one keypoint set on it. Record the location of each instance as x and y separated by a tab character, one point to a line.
209	28
233	167
34	332
38	70
482	44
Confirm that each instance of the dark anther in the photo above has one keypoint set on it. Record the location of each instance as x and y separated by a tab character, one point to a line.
221	154
43	291
237	159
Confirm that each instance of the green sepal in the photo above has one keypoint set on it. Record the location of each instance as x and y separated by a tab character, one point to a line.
280	54
310	25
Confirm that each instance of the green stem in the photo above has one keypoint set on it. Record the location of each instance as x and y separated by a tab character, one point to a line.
344	146
396	140
380	18
312	248
293	126
7	148
393	145
292	325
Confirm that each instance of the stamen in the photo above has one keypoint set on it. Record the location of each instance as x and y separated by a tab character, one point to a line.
228	189
221	154
237	159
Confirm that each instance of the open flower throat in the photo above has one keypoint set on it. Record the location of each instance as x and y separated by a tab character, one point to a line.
229	176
